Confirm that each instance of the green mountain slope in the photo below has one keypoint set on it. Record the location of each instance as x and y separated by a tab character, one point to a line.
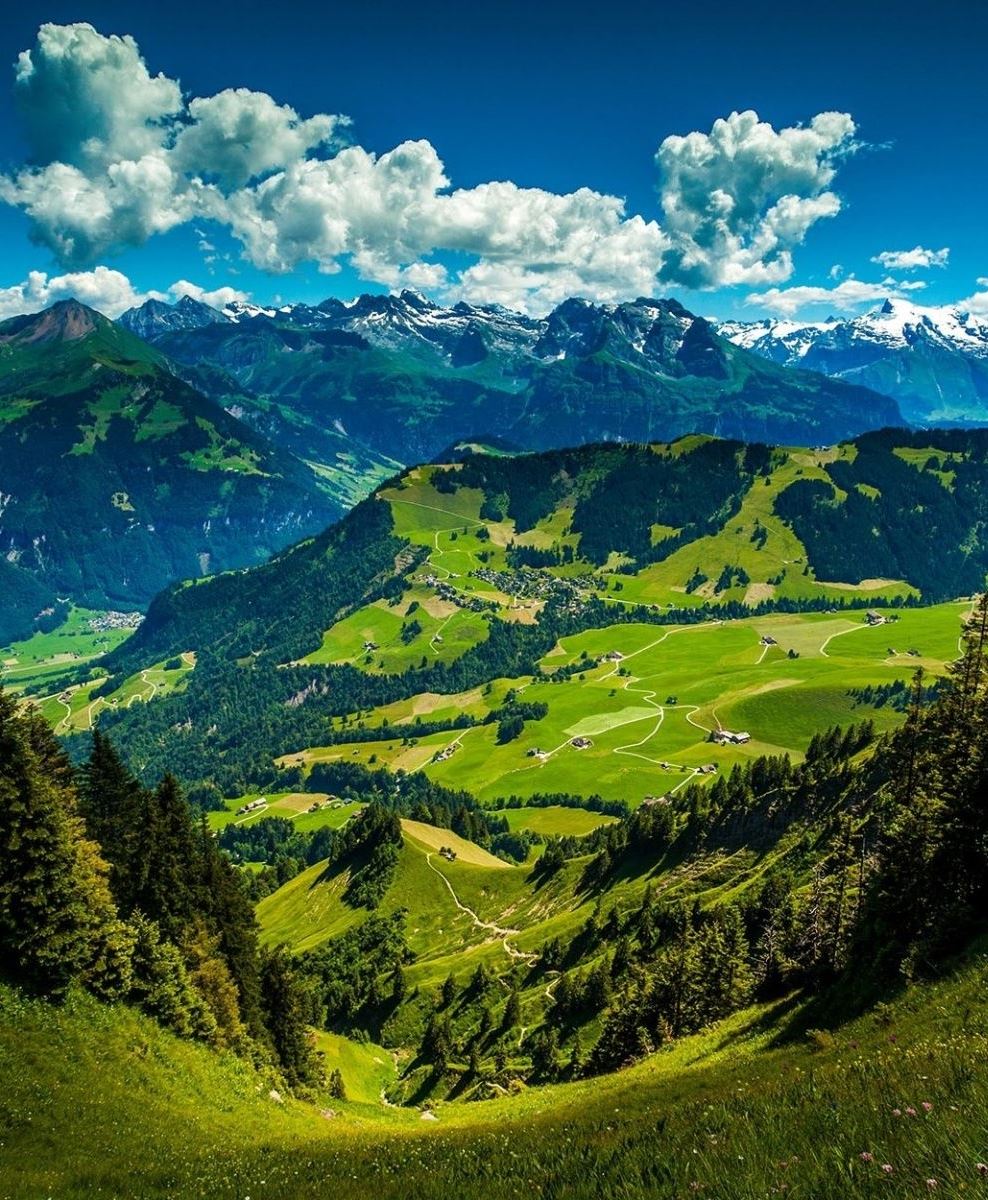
415	616
128	1109
118	478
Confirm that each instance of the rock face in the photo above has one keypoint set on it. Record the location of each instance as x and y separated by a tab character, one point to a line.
405	377
933	361
155	318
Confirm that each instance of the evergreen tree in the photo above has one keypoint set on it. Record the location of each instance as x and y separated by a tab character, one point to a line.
285	1007
58	923
512	1011
111	802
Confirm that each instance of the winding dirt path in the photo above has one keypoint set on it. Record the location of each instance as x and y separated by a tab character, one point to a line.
491	926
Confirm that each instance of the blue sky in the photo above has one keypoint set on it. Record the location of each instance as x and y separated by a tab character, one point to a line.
551	98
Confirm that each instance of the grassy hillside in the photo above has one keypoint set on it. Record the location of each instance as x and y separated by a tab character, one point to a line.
752	1106
649	597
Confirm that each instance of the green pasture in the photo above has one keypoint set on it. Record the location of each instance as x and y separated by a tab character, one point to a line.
293	806
660	701
28	663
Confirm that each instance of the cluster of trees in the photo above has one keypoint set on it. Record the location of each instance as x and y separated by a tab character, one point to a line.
28	605
355	980
512	715
368	844
111	886
896	694
700	974
906	523
646	489
419	798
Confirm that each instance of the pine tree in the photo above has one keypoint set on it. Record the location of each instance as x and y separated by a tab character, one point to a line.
162	986
111	802
512	1011
167	861
286	1009
448	991
58	923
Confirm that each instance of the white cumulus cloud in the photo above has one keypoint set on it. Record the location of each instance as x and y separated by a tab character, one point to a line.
911	260
738	200
108	291
118	156
845	297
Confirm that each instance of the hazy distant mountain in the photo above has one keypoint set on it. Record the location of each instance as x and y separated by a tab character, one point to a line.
933	361
406	377
154	317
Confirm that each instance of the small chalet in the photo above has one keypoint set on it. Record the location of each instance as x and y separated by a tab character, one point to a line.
727	737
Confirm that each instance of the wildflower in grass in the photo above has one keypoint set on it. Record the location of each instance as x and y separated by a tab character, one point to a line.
910	1112
887	1168
866	1156
896	1112
932	1184
927	1106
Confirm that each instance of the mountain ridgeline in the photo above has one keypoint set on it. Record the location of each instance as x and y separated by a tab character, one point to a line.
403	377
119	478
932	361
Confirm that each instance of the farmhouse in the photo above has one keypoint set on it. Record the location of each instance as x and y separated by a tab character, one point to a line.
260	802
448	853
651	801
768	641
874	618
581	743
369	646
726	737
613	656
707	769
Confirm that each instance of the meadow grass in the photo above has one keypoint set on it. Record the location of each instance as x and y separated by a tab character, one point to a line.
752	1107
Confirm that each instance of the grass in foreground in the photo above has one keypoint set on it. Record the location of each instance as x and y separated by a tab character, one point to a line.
739	1112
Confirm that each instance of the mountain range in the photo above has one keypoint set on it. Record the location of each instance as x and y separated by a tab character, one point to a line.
403	377
183	439
933	361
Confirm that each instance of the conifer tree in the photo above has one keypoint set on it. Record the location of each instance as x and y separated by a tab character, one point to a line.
111	801
58	924
285	1010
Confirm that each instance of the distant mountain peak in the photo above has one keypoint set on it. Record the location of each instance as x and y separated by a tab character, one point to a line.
65	321
933	360
155	317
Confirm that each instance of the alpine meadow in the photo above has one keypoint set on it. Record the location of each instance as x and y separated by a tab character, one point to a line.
493	602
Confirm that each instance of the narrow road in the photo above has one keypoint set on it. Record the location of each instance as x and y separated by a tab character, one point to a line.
839	633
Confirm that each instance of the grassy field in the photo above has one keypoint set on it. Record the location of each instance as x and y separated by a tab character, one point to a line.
45	655
750	1108
74	709
650	714
555	821
298	807
651	707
